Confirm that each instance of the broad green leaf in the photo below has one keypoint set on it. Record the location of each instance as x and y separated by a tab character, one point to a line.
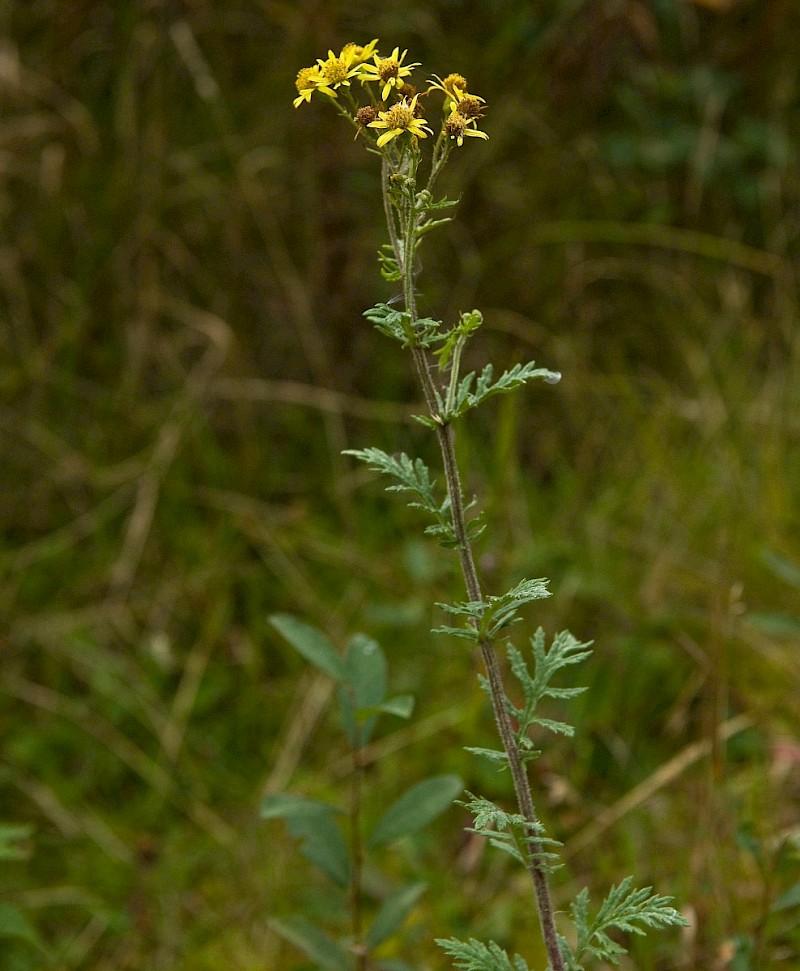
400	705
782	567
787	900
311	643
10	835
14	924
363	688
313	942
314	825
393	913
417	807
775	624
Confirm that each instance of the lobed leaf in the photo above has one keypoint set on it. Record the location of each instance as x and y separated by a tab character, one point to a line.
520	374
473	955
623	909
412	475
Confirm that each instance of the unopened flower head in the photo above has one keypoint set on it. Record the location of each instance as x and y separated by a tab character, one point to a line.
401	117
365	116
388	71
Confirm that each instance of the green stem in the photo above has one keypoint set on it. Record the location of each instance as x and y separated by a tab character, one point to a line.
446	439
357	861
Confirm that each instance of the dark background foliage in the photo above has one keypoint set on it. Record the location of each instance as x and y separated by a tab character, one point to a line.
184	259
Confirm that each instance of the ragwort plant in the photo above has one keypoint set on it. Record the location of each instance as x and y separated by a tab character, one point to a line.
413	133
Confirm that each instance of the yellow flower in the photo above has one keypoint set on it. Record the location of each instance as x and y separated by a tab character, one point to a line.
459	127
356	54
334	72
454	87
399	118
452	83
388	71
306	84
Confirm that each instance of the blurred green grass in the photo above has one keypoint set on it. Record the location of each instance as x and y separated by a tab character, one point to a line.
183	264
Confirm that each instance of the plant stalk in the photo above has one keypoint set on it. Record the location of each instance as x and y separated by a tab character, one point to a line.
404	254
357	859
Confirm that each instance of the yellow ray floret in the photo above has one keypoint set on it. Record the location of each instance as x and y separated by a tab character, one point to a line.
389	72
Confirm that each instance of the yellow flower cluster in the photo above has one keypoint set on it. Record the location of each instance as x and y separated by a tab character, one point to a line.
394	105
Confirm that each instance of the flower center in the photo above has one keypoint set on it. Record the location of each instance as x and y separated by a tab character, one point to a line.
399	116
387	68
470	106
335	70
455	125
454	82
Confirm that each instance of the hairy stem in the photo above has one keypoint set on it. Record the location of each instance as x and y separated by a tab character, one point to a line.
446	438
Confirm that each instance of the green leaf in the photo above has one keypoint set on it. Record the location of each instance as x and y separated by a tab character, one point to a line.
417	807
399	324
473	955
9	836
787	900
314	825
363	689
775	624
782	567
488	617
465	398
564	651
310	643
496	756
393	913
624	909
14	924
313	942
401	705
412	475
510	832
467	324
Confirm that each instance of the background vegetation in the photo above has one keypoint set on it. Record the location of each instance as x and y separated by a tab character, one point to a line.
184	259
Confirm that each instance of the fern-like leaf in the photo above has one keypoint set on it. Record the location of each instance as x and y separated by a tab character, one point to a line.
488	617
564	651
625	909
411	475
465	398
473	955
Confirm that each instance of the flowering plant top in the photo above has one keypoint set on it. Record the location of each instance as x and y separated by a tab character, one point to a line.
385	106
